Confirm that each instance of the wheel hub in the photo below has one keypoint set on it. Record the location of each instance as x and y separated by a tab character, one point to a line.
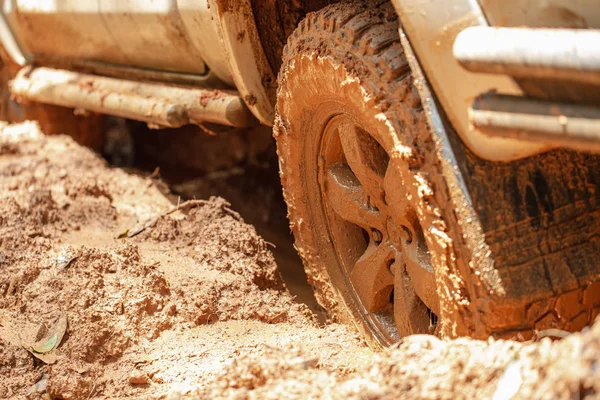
398	235
375	232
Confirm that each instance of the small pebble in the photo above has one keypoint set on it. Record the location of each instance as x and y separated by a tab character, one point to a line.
138	378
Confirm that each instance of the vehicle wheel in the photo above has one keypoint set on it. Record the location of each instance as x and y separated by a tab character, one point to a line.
347	116
402	229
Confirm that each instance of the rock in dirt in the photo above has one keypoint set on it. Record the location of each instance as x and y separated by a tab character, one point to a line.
138	378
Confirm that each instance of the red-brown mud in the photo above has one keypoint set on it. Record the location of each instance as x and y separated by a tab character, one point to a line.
194	305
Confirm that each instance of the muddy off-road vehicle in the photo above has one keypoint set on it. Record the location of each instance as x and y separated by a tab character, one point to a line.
437	157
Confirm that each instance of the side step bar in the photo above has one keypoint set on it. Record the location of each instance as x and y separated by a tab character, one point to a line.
555	54
157	104
558	71
565	125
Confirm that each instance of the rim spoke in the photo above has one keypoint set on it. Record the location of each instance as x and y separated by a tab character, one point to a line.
410	313
414	254
367	160
422	278
396	195
363	186
348	198
372	278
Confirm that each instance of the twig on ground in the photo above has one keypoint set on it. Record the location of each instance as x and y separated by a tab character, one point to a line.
92	391
155	174
185	205
234	214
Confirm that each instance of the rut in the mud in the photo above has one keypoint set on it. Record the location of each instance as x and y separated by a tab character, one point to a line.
193	306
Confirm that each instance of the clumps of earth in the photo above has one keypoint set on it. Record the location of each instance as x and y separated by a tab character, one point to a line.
172	299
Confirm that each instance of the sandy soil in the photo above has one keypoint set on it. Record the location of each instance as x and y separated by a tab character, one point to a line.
191	304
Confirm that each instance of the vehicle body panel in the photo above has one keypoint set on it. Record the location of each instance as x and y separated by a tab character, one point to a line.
542	14
165	35
432	27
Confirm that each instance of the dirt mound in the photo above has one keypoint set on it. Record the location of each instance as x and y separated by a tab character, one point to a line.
424	367
168	301
62	211
215	236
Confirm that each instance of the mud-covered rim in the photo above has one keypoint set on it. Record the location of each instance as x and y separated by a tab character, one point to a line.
397	297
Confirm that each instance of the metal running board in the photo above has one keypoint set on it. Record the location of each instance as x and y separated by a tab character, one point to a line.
555	124
533	53
157	104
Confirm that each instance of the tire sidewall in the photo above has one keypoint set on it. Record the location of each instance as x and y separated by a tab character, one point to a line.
299	131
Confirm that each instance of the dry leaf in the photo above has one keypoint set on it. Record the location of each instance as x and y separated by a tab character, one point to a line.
47	358
39	386
45	349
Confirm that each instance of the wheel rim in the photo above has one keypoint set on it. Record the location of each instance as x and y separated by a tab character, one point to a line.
379	243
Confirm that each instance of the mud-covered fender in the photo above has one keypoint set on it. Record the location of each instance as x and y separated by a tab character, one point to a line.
249	66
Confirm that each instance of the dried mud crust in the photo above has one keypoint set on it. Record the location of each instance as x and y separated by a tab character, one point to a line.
138	308
424	367
359	45
61	211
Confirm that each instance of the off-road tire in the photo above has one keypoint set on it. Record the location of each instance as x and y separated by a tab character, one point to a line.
349	53
481	293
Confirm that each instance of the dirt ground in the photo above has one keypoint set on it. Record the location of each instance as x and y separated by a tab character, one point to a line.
113	287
